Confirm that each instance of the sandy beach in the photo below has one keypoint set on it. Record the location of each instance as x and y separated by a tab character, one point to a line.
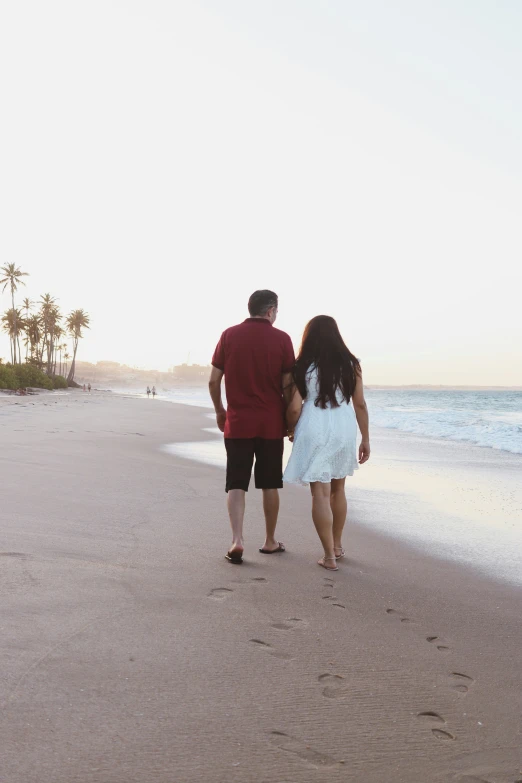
132	652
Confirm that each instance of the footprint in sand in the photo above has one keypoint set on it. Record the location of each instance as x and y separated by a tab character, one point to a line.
301	749
499	765
220	593
332	685
399	615
438	642
328	588
460	682
492	777
435	718
261	645
290	624
476	779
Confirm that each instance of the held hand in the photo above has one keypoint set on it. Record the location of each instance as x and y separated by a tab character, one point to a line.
221	418
290	434
364	452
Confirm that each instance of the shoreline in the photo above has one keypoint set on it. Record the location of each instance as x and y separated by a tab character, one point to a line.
202	402
440	473
123	652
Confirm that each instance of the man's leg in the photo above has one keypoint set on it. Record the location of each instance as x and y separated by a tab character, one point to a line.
236	512
240	457
269	477
271	509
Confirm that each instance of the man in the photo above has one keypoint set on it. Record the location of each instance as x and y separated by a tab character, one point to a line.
256	360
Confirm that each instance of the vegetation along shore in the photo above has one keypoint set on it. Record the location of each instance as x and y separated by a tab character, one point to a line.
43	341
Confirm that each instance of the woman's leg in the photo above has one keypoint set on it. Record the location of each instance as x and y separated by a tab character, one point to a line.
339	509
323	519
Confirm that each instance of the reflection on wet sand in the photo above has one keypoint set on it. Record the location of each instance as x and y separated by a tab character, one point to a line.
451	500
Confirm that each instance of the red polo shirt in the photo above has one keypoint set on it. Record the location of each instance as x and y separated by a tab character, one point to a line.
254	355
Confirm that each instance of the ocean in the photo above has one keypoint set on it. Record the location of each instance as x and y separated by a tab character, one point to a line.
491	419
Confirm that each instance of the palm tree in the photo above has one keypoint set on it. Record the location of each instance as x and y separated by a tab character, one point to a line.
11	321
66	358
56	335
33	330
27	305
76	321
47	305
13	278
61	348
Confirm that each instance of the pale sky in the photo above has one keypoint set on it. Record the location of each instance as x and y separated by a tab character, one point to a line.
162	159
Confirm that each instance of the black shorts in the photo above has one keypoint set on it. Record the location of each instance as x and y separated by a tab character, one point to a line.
268	472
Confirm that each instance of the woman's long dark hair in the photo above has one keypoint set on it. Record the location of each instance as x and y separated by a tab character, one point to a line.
337	368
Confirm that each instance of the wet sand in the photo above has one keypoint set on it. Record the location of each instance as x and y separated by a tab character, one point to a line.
133	652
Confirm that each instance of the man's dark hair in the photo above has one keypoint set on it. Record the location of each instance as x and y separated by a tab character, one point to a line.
261	301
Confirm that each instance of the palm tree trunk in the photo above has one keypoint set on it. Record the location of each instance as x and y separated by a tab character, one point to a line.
14	324
50	355
70	377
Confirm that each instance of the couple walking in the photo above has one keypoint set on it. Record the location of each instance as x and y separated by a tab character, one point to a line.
317	400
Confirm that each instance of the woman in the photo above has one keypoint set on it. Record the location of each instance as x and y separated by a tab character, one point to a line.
322	423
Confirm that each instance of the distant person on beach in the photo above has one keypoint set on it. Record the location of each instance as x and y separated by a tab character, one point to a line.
84	387
148	392
326	405
89	387
256	360
153	392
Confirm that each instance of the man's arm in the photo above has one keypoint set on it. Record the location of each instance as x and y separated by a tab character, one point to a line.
294	406
287	382
214	386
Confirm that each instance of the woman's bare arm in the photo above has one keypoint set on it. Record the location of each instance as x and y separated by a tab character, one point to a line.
361	413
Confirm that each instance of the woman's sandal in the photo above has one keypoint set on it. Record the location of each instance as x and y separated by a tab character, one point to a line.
338	557
322	563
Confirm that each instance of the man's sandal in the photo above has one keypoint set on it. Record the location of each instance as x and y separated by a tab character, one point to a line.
236	558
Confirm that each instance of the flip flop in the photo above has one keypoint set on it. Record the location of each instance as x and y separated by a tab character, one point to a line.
280	548
236	558
339	557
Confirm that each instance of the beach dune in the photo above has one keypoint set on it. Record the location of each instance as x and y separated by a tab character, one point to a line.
132	652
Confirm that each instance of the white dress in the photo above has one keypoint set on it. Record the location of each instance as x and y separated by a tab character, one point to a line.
325	440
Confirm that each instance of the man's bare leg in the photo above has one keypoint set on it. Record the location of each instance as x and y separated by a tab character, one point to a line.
236	512
271	509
